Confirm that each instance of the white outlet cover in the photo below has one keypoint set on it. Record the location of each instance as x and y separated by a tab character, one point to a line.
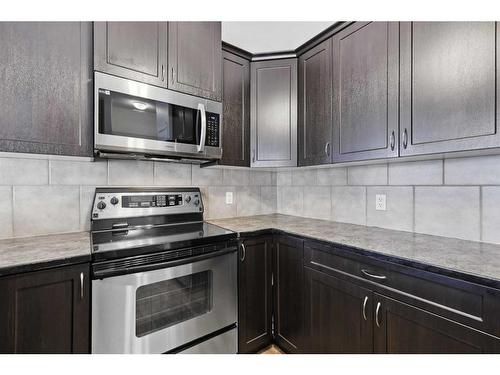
380	202
229	197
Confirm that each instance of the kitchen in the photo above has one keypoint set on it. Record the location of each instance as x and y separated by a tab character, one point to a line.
224	187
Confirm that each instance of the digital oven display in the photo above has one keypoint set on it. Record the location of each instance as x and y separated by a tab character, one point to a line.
145	201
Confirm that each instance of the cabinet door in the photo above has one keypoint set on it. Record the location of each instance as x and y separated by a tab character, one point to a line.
46	87
365	90
195	58
338	315
288	292
449	87
315	105
255	295
401	328
46	311
273	118
236	110
135	50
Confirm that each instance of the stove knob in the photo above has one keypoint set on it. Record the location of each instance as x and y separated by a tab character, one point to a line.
188	199
114	200
101	205
196	202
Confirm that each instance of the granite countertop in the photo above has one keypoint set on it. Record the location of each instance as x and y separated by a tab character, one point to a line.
38	252
467	258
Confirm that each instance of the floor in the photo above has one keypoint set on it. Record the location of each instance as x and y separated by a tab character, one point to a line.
273	349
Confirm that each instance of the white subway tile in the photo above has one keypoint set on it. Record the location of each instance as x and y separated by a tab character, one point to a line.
429	172
367	175
332	176
448	211
491	214
130	172
78	173
317	202
46	209
349	204
172	174
399	208
24	171
480	170
6	212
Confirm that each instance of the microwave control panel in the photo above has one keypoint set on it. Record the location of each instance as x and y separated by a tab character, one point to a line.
213	130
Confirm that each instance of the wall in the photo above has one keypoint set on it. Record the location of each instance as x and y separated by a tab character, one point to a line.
454	197
49	194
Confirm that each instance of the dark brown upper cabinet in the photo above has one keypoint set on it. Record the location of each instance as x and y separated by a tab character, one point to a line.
236	110
195	58
365	91
46	312
315	105
46	87
273	118
449	89
255	300
135	50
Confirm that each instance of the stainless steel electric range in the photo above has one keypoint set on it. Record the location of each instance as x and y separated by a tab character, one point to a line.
163	280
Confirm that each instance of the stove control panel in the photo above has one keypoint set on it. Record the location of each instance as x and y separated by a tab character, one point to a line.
112	203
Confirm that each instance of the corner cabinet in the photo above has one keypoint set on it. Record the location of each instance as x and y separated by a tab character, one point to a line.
315	105
135	50
235	110
195	58
365	91
46	88
255	301
46	312
449	86
273	118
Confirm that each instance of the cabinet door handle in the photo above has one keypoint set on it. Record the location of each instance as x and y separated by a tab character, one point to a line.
81	285
364	308
253	156
376	315
378	277
327	148
393	141
162	72
405	138
173	75
243	251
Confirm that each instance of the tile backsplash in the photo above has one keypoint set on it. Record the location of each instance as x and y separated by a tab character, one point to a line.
43	194
452	197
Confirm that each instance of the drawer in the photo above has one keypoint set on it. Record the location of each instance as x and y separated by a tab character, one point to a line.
472	304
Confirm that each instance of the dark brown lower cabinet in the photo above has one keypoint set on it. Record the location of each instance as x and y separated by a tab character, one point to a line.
46	311
288	293
338	315
401	328
255	294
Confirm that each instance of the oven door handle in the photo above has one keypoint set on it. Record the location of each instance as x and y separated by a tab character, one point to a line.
203	136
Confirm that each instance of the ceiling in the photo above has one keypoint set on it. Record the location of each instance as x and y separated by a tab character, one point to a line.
265	37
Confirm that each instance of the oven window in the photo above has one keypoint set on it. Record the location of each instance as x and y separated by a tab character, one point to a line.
169	302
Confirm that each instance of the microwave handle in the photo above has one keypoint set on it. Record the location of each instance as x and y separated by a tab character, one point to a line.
203	136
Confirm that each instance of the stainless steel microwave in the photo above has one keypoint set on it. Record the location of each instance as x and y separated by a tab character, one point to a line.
133	119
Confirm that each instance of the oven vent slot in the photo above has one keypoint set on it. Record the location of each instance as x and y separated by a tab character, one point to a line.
128	263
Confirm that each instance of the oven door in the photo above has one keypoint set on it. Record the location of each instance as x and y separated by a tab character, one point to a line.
133	117
160	310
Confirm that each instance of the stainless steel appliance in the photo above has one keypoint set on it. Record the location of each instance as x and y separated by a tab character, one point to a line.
163	280
133	119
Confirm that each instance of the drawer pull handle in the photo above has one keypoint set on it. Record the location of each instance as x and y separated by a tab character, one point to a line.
244	252
81	286
376	314
364	308
378	277
393	141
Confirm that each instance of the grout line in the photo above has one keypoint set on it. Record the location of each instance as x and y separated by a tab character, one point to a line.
442	173
12	210
480	213
49	172
414	208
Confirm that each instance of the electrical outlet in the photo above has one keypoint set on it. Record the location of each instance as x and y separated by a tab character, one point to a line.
229	197
380	202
